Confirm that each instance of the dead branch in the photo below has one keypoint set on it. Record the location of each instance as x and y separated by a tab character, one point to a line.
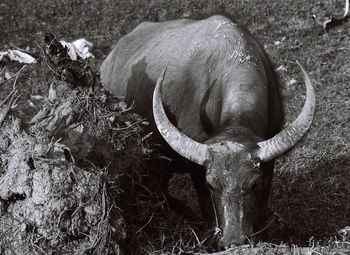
9	106
13	77
6	98
2	70
13	99
17	75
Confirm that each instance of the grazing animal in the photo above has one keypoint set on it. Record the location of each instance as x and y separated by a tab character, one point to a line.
222	113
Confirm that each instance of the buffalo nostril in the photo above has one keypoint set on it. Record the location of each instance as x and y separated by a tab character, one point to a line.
239	240
225	243
233	245
220	246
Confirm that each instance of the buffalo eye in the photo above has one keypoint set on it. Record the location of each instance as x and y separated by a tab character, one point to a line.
255	161
256	164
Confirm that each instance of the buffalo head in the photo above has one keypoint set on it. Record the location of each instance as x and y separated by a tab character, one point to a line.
237	174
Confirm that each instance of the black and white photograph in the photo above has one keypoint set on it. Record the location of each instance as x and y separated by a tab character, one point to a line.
189	127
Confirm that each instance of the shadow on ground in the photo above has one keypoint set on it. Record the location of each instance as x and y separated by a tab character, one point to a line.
313	205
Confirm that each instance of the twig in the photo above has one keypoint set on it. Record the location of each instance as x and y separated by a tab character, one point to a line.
6	98
199	243
17	75
127	127
60	218
129	108
14	105
46	59
2	70
148	222
33	243
9	107
264	228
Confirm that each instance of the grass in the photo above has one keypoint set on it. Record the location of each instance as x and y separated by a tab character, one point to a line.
311	187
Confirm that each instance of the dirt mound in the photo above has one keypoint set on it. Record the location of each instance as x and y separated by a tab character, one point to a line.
62	172
47	202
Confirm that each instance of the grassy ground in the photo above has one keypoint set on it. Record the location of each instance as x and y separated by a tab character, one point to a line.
311	189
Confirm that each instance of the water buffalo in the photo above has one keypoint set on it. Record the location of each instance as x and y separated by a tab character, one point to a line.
222	112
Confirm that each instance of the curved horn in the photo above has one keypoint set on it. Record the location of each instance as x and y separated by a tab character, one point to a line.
177	140
289	136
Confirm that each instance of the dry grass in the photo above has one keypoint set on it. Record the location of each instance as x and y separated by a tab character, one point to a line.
311	187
